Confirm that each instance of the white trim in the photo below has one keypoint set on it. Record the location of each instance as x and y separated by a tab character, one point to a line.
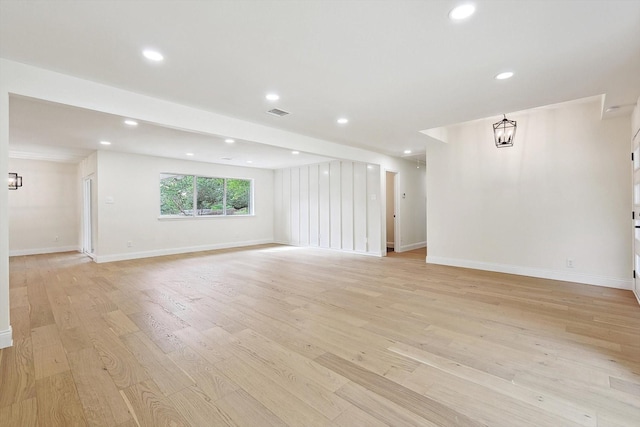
390	244
412	246
175	251
6	338
344	251
40	251
589	279
637	296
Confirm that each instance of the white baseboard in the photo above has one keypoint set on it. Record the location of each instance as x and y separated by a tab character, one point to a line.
412	246
40	251
588	279
176	251
6	338
346	251
637	296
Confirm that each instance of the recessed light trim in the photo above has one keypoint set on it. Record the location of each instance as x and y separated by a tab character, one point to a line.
153	55
105	142
189	154
272	97
462	11
342	121
229	140
130	122
407	151
295	152
249	161
504	75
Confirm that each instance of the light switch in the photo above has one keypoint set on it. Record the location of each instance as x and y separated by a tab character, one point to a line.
109	200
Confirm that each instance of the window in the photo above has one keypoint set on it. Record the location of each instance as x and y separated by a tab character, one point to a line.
190	195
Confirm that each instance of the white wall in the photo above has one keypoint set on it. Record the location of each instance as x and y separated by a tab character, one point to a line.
562	191
5	328
44	213
132	182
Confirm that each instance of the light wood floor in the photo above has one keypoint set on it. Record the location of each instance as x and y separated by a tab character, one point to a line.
273	336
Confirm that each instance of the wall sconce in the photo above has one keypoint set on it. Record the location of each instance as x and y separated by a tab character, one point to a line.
15	181
504	132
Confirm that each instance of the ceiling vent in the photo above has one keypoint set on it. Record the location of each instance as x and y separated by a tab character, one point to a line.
277	112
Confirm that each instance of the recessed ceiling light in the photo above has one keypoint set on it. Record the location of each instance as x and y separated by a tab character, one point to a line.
229	141
343	120
295	152
153	55
407	151
249	161
272	96
505	75
189	154
105	143
461	12
130	122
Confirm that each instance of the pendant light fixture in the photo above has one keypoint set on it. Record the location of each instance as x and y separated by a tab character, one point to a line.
15	181
504	132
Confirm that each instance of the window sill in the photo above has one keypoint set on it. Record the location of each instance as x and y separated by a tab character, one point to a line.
201	218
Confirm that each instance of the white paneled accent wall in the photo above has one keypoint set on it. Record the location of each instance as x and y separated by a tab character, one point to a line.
329	205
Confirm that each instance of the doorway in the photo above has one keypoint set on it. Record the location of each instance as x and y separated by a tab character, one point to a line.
392	237
87	213
636	214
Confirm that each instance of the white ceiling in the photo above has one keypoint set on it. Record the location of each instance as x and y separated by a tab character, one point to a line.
394	68
55	132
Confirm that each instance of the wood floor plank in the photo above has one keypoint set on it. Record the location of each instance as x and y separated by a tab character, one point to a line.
21	414
197	410
17	373
247	411
280	401
420	405
150	407
122	366
102	403
205	375
167	375
58	401
380	408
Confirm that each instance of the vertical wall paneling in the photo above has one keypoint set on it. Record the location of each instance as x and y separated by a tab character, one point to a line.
314	219
304	206
286	204
324	204
330	205
346	195
295	206
335	188
360	207
374	218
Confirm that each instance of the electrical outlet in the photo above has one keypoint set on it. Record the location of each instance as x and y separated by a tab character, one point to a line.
569	262
57	238
129	243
